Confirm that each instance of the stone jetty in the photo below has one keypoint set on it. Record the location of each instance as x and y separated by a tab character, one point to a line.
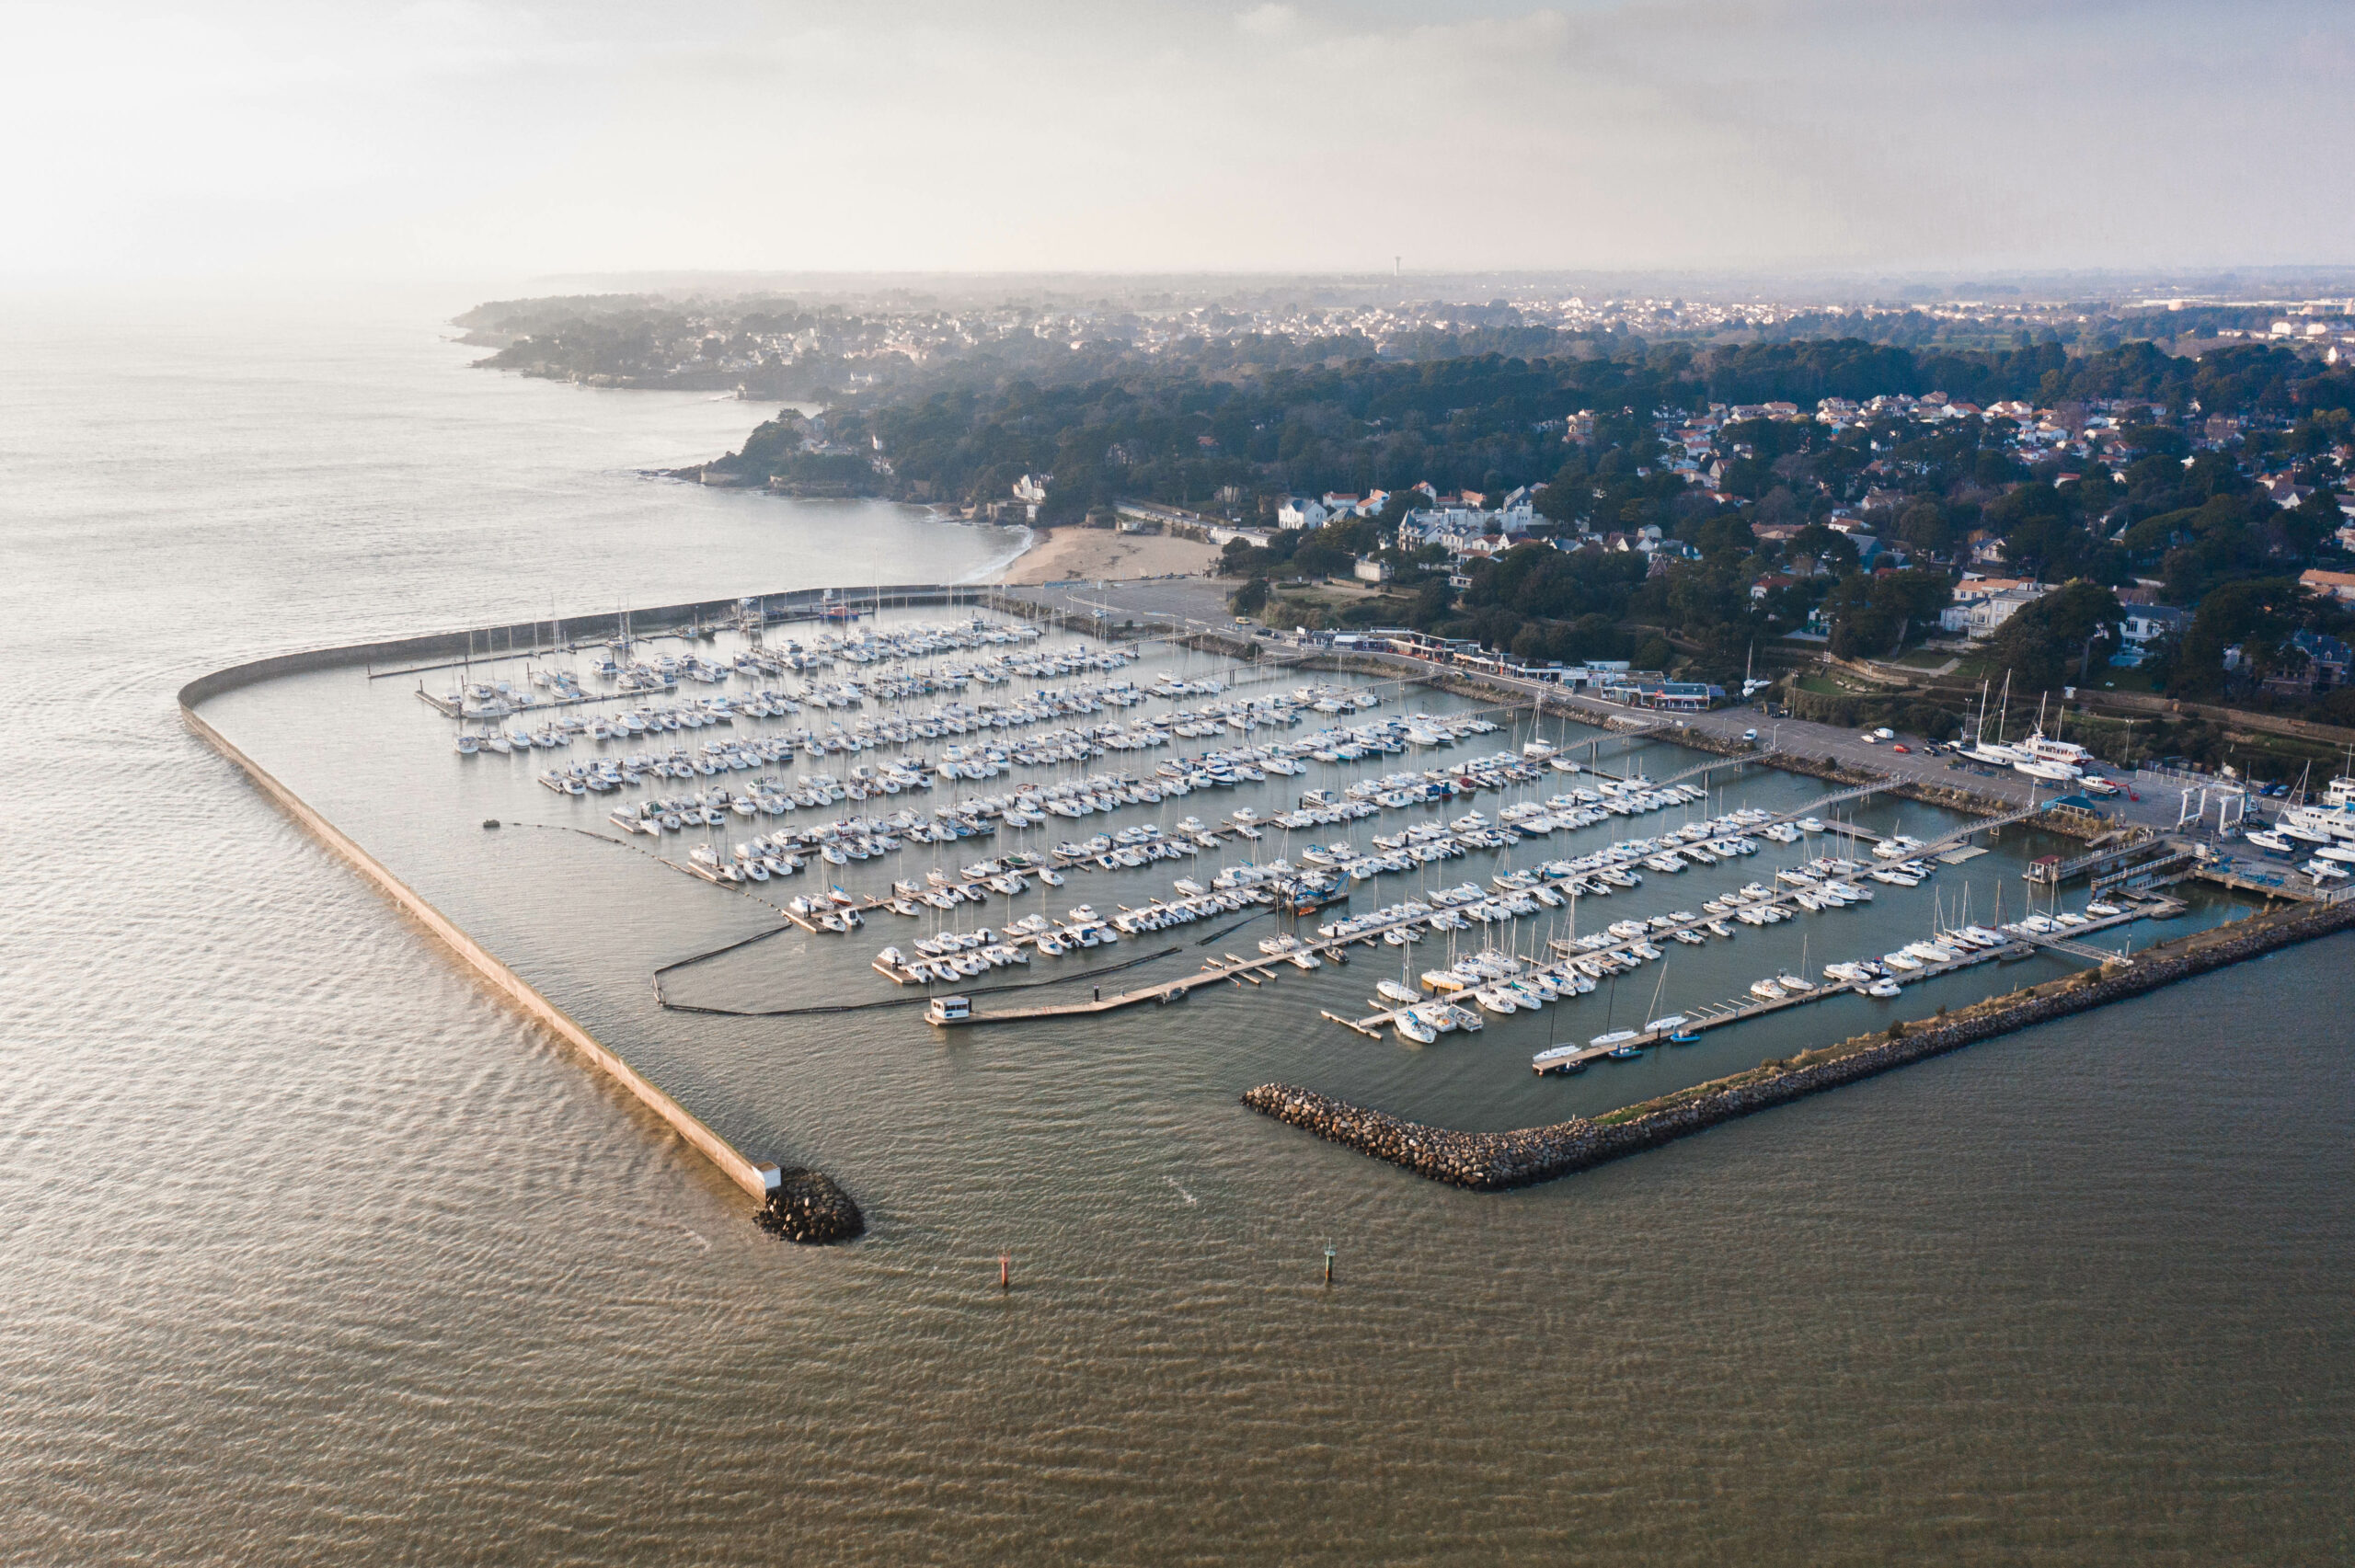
806	1206
1493	1161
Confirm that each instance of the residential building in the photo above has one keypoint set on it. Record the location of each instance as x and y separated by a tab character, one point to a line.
2338	585
2143	626
2327	659
1982	605
1302	511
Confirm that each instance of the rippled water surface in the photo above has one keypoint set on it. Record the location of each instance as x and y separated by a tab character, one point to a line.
318	1253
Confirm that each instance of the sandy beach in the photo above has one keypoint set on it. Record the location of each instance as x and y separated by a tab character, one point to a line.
1098	554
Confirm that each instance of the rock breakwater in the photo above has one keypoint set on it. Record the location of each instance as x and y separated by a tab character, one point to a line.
806	1206
1494	1161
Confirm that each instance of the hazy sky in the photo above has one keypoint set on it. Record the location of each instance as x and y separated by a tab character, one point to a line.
156	139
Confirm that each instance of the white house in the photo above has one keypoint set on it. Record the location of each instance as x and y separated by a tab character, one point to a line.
1302	511
2142	626
1982	605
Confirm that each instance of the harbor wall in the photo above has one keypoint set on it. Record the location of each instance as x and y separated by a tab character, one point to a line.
485	642
1498	1161
755	1177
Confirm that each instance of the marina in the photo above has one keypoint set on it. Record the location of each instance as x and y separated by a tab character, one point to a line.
1000	821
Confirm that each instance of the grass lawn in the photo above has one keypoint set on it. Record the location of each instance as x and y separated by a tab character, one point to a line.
2136	681
1832	686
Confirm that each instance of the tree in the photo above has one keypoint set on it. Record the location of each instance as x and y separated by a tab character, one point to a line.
1922	527
2048	642
2257	616
1819	541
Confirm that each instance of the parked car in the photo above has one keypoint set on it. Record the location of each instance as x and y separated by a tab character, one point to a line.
1902	746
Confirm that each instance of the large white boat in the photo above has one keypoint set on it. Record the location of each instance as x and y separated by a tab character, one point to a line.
2046	758
2317	824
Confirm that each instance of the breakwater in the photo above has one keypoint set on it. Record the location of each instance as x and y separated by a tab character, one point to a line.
1494	1161
809	1208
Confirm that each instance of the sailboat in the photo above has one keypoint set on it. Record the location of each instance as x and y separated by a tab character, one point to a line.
1666	1024
2056	760
1984	750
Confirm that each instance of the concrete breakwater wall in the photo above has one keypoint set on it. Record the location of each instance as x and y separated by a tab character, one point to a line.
756	1177
810	1207
1494	1161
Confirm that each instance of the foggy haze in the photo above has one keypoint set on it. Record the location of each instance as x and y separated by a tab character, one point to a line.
463	136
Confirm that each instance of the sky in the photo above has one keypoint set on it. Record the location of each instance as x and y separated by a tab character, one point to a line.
156	139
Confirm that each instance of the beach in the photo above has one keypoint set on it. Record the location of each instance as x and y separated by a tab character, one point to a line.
1060	555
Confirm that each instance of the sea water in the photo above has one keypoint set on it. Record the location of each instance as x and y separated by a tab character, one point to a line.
320	1252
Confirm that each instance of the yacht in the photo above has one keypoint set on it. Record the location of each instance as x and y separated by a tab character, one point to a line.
2050	768
2061	754
2317	824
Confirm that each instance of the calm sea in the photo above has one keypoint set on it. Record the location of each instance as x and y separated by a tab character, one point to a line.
318	1253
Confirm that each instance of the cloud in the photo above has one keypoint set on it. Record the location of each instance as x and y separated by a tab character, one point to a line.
455	135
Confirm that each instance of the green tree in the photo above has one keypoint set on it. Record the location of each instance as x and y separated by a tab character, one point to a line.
2048	643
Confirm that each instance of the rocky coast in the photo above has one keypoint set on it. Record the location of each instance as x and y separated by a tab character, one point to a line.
1494	1161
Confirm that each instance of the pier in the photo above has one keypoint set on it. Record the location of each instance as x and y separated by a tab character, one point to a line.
2023	945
